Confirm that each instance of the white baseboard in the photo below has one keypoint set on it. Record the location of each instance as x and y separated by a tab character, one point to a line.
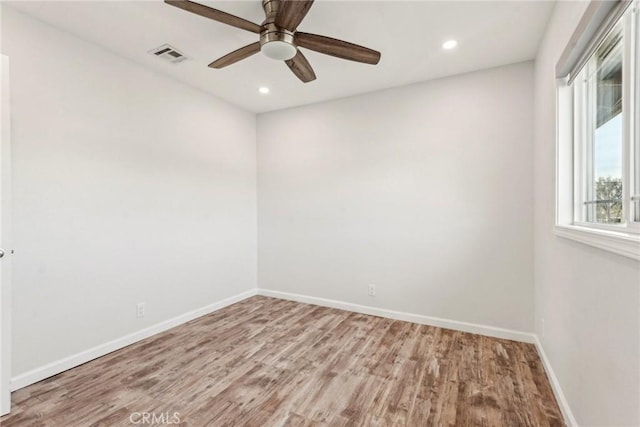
62	365
555	385
473	328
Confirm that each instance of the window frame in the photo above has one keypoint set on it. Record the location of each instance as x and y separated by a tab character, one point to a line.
572	142
634	111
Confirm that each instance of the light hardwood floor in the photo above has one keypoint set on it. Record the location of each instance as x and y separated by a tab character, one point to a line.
269	362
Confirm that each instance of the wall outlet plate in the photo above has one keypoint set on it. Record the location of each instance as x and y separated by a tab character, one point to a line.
140	310
372	290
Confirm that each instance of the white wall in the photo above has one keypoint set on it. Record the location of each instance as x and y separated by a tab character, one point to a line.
423	190
587	300
129	187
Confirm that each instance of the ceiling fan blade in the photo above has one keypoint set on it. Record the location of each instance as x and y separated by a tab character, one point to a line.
301	68
236	55
290	13
215	14
338	48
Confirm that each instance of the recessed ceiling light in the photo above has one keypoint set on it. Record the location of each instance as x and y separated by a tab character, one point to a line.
264	90
449	44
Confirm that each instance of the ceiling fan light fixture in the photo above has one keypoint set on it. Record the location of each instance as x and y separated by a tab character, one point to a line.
277	43
279	50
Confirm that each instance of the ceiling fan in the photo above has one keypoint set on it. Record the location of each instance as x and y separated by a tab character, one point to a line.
279	38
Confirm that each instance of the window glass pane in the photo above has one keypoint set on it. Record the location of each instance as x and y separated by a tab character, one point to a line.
604	99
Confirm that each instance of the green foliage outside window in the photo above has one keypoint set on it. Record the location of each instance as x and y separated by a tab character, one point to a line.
609	197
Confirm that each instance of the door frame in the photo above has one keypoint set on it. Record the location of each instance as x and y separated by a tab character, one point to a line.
5	238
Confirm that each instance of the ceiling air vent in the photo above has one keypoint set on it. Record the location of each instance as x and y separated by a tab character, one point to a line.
169	54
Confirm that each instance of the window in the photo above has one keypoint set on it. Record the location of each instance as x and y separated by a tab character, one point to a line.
599	139
598	174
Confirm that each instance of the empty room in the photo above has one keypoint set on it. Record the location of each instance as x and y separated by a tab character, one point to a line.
330	213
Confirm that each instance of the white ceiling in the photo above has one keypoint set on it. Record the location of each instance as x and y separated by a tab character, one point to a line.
409	35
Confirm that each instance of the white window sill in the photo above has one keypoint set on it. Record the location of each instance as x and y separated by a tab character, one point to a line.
621	243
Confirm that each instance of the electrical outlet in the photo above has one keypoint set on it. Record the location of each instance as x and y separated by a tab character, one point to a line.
542	327
140	310
372	290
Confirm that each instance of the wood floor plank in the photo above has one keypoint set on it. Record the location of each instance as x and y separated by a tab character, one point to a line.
269	362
